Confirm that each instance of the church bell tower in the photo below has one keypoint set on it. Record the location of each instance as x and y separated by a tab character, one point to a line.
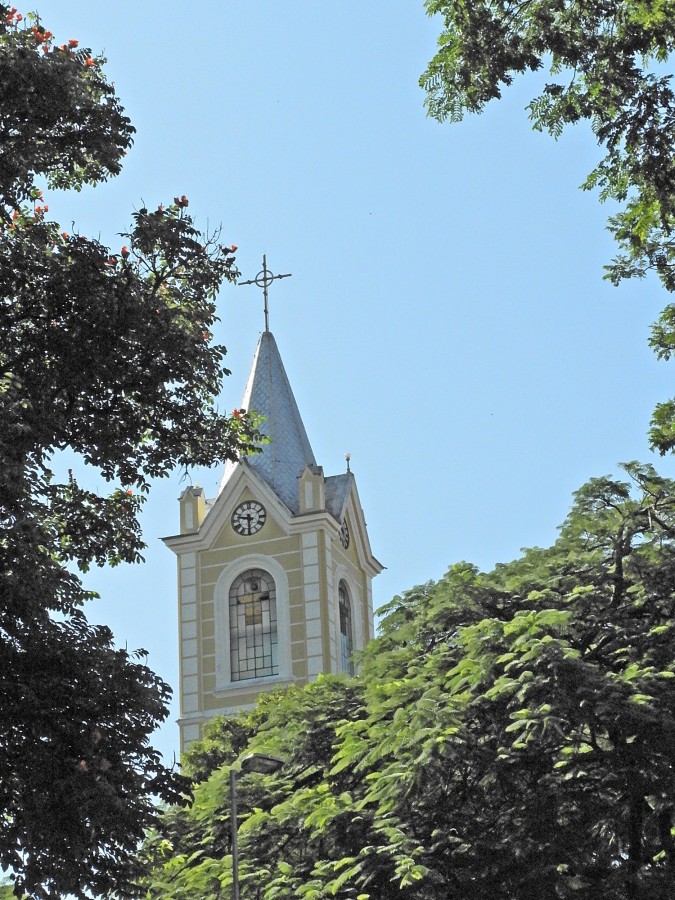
275	572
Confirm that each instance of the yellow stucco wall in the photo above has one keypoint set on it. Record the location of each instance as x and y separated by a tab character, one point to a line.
312	558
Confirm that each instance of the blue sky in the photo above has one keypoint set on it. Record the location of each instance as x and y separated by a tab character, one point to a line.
446	322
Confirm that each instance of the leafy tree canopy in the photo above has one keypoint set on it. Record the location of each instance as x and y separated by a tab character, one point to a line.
607	60
106	353
511	737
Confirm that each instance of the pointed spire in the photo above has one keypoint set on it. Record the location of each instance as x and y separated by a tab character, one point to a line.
288	452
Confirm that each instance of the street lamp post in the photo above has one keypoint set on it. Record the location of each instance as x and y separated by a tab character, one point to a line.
254	762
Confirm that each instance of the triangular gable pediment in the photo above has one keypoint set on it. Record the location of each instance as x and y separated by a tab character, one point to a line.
241	477
352	511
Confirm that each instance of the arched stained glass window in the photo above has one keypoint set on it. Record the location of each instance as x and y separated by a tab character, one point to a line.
254	649
346	639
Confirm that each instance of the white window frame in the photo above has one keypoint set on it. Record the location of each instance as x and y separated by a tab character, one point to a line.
342	573
346	666
221	598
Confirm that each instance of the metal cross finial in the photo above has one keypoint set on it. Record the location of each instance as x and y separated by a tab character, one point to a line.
264	279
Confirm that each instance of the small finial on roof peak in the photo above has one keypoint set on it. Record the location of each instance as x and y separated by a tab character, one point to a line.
348	456
264	279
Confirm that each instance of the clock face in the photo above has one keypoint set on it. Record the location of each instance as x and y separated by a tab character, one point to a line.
249	517
344	534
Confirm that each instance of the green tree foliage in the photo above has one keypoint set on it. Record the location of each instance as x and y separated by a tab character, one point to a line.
607	62
511	737
107	354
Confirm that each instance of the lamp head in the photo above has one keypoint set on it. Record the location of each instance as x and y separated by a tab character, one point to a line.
261	763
